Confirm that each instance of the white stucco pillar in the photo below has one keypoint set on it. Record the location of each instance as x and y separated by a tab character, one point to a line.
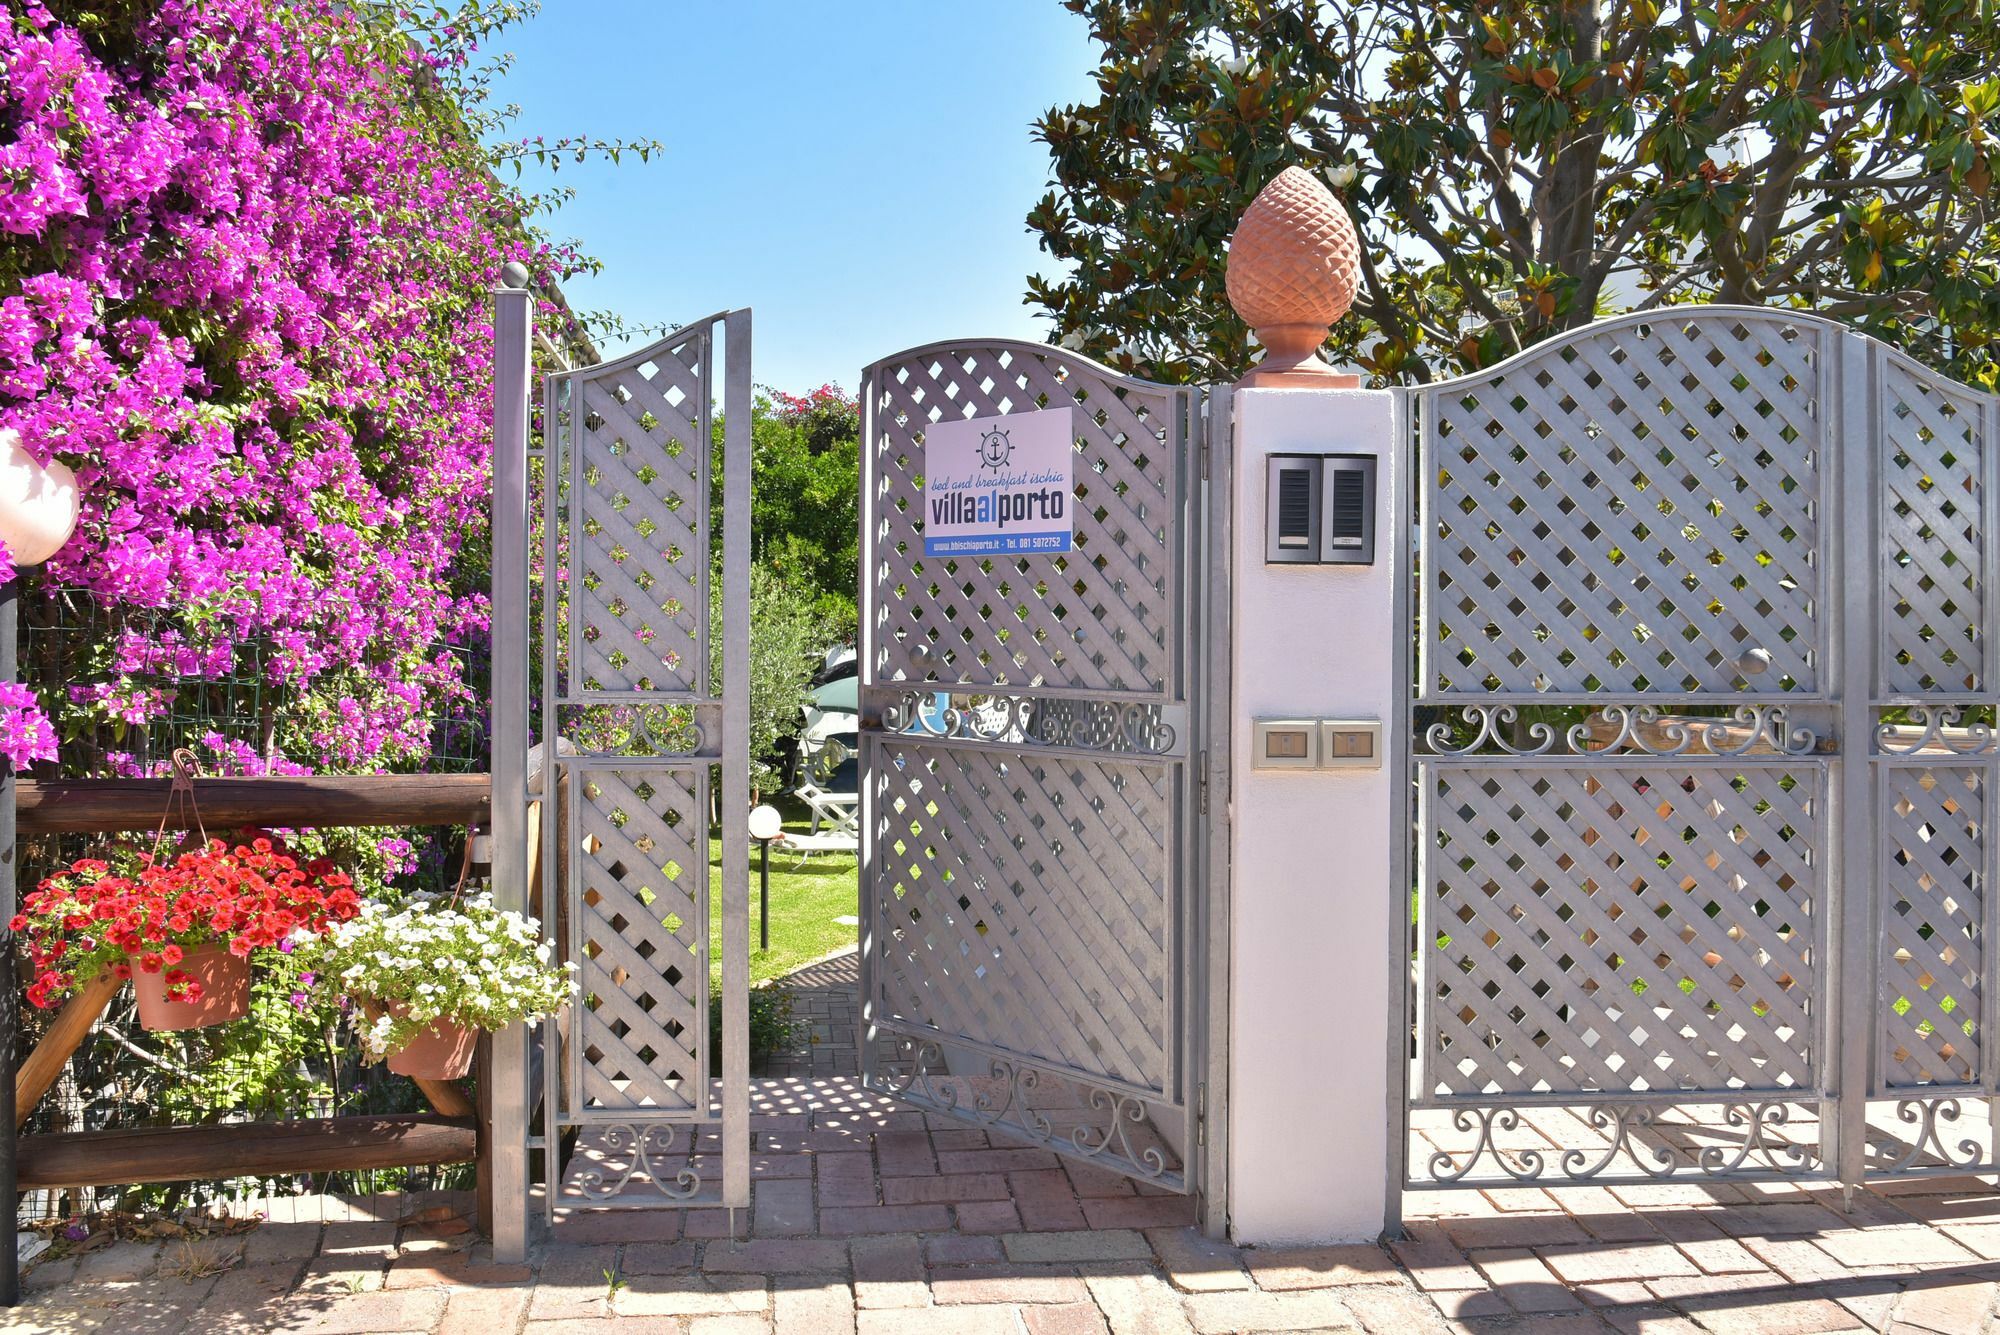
1311	892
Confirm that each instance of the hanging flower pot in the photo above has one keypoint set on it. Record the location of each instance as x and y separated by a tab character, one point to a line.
208	986
441	1051
428	975
183	928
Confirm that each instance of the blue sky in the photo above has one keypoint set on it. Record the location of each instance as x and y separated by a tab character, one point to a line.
856	172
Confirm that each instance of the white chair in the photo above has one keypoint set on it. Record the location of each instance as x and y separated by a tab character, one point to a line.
839	812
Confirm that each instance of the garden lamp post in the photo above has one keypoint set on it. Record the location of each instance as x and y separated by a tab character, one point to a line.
765	825
38	508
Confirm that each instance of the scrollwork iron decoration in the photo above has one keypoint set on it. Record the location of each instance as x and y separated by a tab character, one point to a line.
1936	726
644	1144
1106	726
1756	1120
1620	1124
1638	730
1091	1141
1925	1114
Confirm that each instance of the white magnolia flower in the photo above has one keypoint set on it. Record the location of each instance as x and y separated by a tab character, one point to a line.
1342	175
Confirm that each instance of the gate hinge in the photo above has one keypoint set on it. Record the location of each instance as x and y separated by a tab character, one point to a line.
1201	781
1201	1113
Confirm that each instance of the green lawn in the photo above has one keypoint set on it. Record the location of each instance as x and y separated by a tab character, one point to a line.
806	898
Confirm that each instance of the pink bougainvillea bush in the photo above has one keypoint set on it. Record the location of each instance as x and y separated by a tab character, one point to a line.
245	254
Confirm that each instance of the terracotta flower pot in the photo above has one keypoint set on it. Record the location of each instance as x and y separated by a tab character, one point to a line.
441	1052
225	991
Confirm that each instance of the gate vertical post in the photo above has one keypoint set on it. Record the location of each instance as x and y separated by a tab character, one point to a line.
736	392
513	335
1314	894
1851	933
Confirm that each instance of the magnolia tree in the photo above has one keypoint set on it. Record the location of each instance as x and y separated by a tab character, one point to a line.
245	249
1517	168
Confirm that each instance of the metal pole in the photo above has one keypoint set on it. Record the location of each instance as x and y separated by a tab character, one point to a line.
513	334
764	896
736	392
10	1028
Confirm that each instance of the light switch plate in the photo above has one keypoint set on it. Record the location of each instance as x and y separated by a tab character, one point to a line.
1284	743
1350	743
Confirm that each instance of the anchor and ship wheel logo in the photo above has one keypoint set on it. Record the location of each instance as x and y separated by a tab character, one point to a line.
995	449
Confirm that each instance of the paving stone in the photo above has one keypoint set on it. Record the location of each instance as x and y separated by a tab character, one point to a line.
1384	1309
1798	1260
1649	1321
1524	1281
250	1297
994	1160
1196	1262
1065	1319
578	1227
1735	1314
1090	1180
1321	1267
1946	1308
280	1242
776	1257
363	1313
1878	1248
1133	1300
1548	1230
484	1311
848	1221
1309	1309
737	1323
163	1306
1778	1218
964	1321
944	1189
1111	1245
1872	1301
958	1249
708	1224
888	1272
1599	1262
1981	1239
782	1208
1139	1211
958	1138
1433	1260
1613	1293
988	1217
124	1260
765	1167
905	1154
1007	1284
1604	1216
664	1258
691	1295
374	1238
52	1272
845	1179
55	1314
802	1305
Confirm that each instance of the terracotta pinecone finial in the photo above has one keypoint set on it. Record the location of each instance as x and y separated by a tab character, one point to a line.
1294	265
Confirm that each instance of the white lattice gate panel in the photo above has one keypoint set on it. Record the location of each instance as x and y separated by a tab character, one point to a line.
1630	510
639	559
1933	466
1025	907
1931	924
1103	617
643	719
1633	927
641	919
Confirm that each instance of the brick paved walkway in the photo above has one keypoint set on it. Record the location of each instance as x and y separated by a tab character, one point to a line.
869	1219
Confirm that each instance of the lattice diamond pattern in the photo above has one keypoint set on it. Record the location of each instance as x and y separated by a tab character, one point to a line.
1100	617
1933	535
642	940
1630	512
1022	902
1620	928
638	524
1931	920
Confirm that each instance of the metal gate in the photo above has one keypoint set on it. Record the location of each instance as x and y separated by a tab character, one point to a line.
1703	737
646	708
1030	913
